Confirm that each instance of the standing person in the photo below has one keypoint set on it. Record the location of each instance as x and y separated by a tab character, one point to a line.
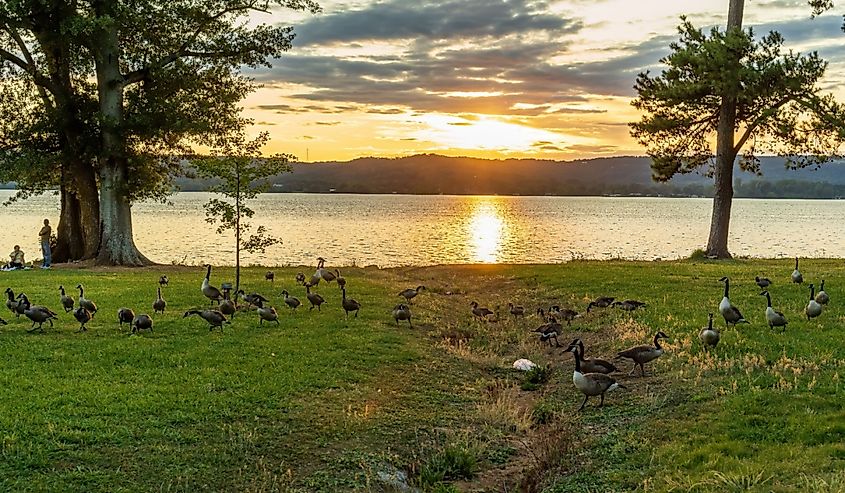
44	235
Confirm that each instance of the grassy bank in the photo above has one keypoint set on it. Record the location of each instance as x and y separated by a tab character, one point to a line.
319	403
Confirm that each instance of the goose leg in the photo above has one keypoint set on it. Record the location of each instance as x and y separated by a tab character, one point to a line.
642	370
584	403
601	403
411	326
356	313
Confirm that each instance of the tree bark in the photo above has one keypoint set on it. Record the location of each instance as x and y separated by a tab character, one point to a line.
117	246
717	241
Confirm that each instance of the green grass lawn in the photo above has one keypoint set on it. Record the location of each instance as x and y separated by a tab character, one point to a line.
319	403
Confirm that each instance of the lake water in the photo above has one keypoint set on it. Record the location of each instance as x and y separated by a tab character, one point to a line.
392	230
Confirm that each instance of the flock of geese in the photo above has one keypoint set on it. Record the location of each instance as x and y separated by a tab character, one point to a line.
591	375
227	305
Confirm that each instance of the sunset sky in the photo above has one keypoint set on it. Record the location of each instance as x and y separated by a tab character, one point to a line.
488	78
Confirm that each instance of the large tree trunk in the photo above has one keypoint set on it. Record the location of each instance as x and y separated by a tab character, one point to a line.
717	242
117	247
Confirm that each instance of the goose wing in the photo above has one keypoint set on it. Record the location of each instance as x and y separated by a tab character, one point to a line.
634	351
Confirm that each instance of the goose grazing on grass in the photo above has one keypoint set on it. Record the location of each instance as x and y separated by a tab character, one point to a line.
591	384
214	317
270	276
142	322
763	282
266	313
550	330
86	303
516	310
290	301
82	316
38	314
480	312
208	290
252	298
563	314
67	301
227	306
349	305
728	311
402	312
341	281
593	365
314	298
163	281
300	278
641	355
814	309
159	304
822	298
773	318
797	278
125	316
628	305
600	302
708	335
409	293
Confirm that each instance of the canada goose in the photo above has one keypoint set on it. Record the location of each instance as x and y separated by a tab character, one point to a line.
314	298
67	301
227	306
163	281
797	278
628	305
13	303
728	311
290	301
349	305
266	313
300	278
593	365
208	290
409	293
86	303
402	312
600	302
550	330
82	316
708	335
814	309
252	298
159	305
563	314
270	276
142	322
322	272
18	306
214	317
822	298
341	281
763	282
774	318
591	384
643	354
38	314
480	312
125	316
516	310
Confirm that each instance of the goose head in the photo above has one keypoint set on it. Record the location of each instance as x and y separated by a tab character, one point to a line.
724	279
661	335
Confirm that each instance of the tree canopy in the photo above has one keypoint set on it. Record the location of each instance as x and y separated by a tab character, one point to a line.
780	106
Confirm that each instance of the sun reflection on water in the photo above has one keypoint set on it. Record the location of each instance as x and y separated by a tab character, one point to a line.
487	229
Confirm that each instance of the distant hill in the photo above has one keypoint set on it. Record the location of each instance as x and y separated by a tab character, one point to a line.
435	174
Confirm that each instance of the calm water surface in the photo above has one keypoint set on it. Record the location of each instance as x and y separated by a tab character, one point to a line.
391	230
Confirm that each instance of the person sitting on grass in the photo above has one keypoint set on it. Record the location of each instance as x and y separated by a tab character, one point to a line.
17	258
